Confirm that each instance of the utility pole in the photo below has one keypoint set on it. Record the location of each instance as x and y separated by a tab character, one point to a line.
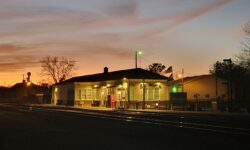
216	80
182	79
143	93
230	88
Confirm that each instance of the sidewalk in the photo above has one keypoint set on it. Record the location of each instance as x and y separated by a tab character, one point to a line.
73	107
90	108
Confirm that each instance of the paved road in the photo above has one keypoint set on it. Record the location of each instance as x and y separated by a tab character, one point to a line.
40	128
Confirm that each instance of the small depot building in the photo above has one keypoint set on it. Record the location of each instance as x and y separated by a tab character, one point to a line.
203	90
132	88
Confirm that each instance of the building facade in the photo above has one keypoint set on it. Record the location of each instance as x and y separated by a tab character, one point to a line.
204	91
138	89
133	88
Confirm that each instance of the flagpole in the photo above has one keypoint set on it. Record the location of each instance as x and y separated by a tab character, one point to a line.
182	72
136	58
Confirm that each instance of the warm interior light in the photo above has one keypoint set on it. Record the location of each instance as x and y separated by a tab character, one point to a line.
125	85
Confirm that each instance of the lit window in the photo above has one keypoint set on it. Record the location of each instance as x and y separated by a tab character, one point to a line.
150	93
79	94
95	94
86	94
157	94
131	92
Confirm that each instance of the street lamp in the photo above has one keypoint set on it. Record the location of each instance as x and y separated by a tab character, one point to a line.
137	53
28	84
229	62
181	76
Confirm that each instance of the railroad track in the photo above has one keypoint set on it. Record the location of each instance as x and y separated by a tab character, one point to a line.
127	117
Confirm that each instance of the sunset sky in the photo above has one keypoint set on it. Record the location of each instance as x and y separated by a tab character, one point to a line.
189	34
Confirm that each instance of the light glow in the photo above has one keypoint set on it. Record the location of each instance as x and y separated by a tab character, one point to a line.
28	83
174	89
139	52
125	85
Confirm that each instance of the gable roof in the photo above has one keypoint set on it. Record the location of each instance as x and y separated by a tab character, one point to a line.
137	73
189	79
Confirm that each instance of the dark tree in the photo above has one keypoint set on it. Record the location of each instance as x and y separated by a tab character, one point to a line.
157	68
240	82
222	70
57	69
243	59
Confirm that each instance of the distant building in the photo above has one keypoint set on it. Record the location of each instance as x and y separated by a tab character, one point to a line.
25	92
132	88
203	87
204	92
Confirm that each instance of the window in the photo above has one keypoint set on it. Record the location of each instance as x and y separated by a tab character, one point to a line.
110	91
95	94
157	93
196	96
79	94
86	94
131	92
152	93
207	96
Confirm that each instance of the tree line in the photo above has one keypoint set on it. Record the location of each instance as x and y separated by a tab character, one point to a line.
237	72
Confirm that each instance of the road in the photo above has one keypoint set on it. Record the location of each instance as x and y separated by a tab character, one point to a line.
48	128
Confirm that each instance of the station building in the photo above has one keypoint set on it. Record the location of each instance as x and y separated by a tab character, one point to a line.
132	88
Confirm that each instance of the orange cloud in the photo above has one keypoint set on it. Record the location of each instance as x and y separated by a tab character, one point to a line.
15	57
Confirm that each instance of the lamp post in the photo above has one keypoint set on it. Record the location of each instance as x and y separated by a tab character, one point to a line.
137	53
143	93
28	84
216	80
229	62
181	76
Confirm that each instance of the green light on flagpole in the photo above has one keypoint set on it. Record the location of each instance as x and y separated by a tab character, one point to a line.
174	89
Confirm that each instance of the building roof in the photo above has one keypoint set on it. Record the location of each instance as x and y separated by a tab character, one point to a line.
137	73
189	79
